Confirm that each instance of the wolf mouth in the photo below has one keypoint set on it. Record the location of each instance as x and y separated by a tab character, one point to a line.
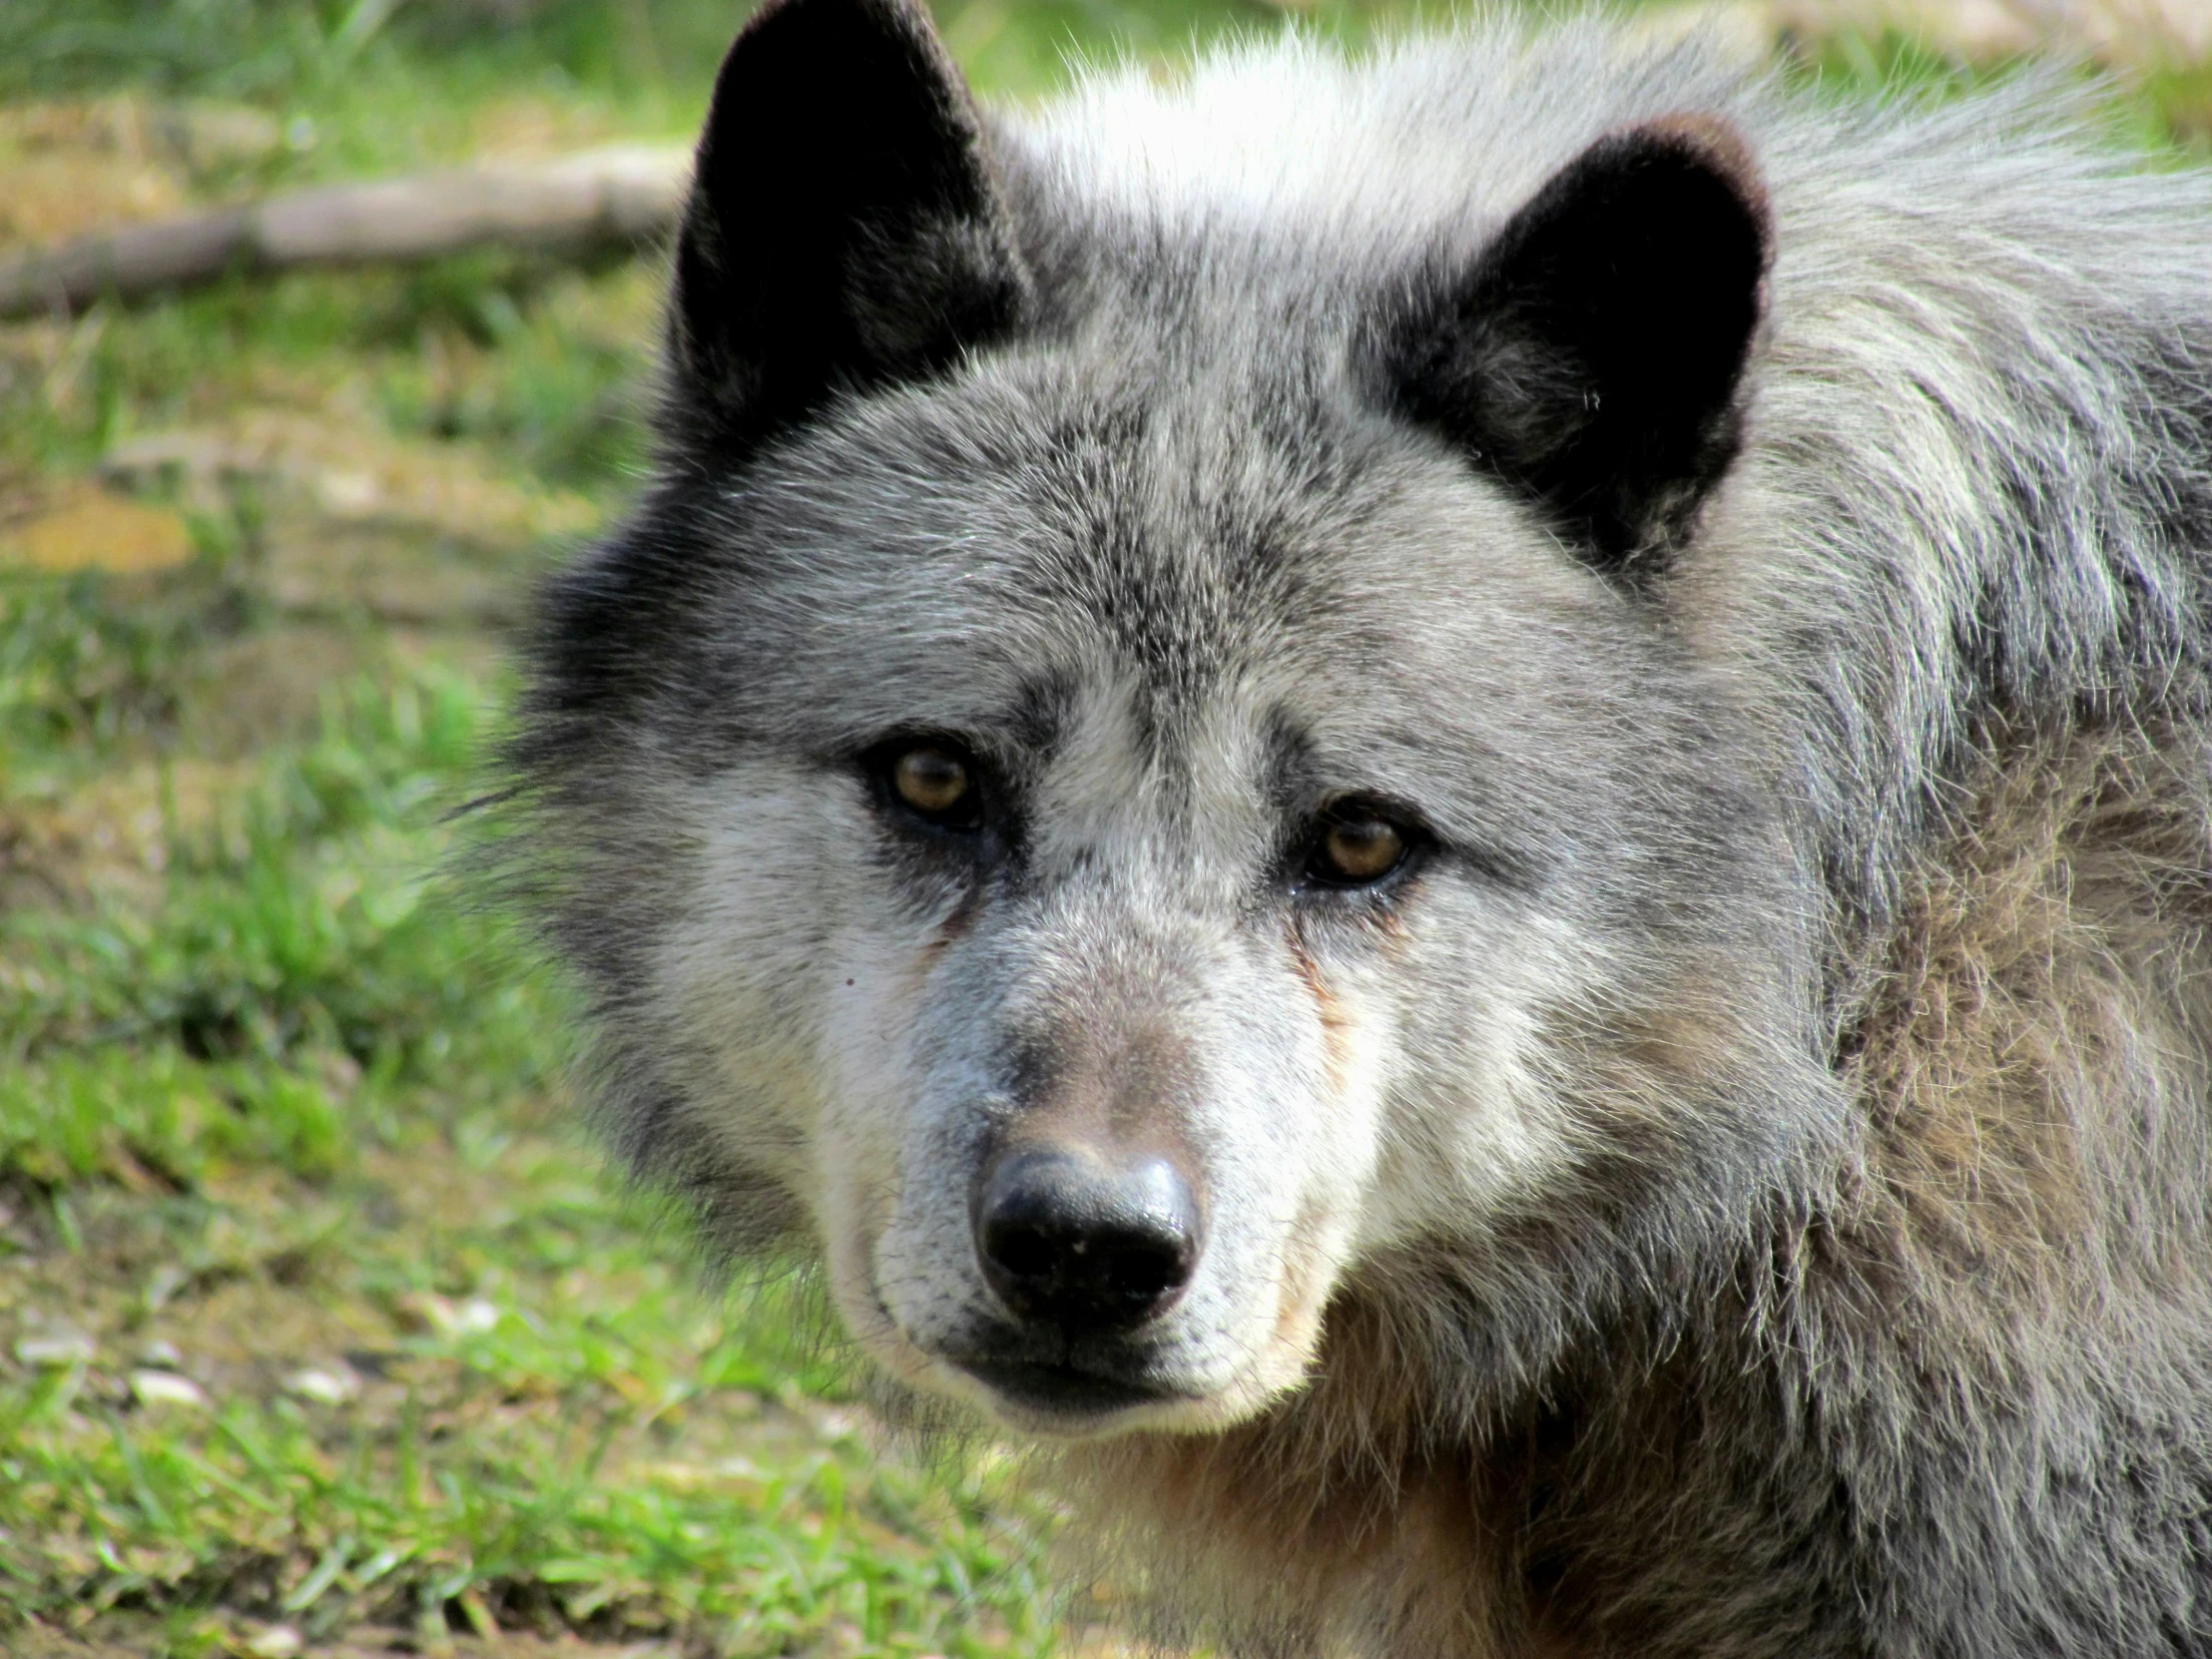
1067	1383
1064	1389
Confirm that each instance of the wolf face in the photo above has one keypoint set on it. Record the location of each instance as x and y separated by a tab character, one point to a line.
1131	768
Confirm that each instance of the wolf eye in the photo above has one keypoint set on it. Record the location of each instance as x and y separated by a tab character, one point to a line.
937	784
1357	847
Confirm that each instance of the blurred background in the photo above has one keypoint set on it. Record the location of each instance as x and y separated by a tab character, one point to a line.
320	1330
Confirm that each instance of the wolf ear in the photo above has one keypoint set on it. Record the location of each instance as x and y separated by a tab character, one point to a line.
843	230
1592	356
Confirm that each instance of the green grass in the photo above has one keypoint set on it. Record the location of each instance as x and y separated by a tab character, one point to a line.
301	915
292	1110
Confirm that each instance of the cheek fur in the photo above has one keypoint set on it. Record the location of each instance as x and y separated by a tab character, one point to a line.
797	1019
1470	1123
1309	1147
739	973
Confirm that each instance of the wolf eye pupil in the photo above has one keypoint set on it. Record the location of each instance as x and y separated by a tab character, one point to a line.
932	782
1363	849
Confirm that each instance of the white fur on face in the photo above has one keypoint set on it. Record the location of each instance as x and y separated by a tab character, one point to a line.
1126	921
865	1035
1473	1123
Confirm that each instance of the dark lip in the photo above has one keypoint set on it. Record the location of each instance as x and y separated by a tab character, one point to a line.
1061	1388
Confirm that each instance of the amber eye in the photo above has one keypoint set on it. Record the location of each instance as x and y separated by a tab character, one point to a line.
936	783
1357	851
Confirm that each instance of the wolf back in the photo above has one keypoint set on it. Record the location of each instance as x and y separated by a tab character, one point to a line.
1450	808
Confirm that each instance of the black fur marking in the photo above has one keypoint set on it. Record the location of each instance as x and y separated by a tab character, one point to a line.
1042	714
842	231
602	629
1592	356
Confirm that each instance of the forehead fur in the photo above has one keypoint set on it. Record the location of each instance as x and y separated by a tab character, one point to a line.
1173	487
1044	514
1173	471
1314	609
1287	162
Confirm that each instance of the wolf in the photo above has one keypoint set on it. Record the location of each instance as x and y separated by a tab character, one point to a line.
1447	807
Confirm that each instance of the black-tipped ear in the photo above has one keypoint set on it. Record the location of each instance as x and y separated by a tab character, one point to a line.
1592	356
843	230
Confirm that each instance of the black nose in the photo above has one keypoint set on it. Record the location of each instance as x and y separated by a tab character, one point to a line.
1088	1246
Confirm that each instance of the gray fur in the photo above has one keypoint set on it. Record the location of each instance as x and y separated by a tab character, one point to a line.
1757	1177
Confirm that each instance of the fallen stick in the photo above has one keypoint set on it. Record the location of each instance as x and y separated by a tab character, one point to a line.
597	199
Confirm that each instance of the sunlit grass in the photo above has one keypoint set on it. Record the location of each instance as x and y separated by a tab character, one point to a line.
288	1119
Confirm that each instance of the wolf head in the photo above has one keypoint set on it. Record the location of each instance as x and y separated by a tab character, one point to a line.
1134	773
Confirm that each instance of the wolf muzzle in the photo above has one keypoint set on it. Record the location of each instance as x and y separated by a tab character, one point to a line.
1085	1249
1085	1243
